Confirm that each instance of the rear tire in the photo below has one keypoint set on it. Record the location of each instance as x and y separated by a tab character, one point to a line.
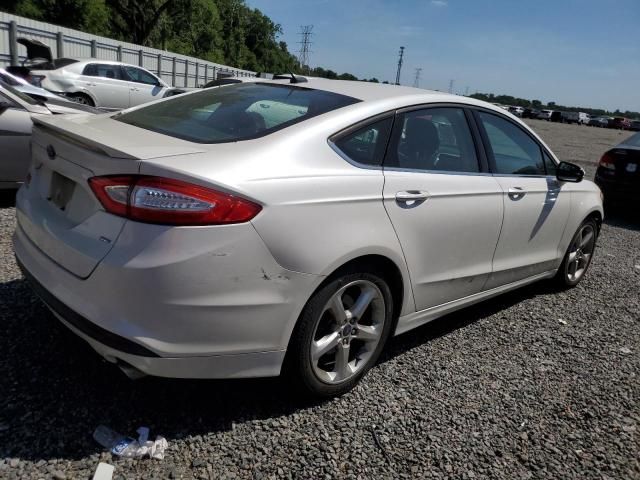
82	98
578	257
340	334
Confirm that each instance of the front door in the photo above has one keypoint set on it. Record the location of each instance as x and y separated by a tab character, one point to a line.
144	87
445	209
536	207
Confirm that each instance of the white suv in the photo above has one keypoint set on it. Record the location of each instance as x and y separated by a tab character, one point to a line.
101	83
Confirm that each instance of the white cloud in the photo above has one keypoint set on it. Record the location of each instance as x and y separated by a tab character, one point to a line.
439	3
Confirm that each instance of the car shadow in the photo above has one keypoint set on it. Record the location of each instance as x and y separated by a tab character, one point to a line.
7	198
57	390
622	217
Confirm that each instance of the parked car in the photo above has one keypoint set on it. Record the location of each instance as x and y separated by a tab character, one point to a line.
556	116
620	123
517	111
545	114
16	113
579	118
330	216
530	113
602	122
618	173
101	83
635	125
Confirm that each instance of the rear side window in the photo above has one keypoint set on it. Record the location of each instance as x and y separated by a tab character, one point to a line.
103	70
367	144
433	139
235	112
514	151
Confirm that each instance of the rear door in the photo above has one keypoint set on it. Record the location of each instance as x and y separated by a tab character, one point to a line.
446	209
144	87
15	134
536	207
107	83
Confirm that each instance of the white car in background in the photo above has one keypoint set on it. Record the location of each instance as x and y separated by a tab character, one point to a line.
264	228
517	111
545	114
102	83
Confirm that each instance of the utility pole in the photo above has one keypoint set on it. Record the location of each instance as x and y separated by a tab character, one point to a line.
305	43
401	54
451	82
416	79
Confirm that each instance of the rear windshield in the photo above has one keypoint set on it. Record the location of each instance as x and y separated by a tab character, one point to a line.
234	112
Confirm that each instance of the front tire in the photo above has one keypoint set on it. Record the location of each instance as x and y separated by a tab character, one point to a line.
340	334
578	256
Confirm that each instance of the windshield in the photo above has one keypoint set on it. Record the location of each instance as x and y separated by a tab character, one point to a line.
234	112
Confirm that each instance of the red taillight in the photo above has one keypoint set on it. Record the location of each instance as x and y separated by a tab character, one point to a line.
170	202
607	161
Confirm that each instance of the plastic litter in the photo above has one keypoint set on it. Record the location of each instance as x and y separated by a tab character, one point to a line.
103	472
128	447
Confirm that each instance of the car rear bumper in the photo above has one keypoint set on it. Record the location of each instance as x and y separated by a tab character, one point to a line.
165	317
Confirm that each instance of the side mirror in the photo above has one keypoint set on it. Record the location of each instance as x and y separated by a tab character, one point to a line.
569	172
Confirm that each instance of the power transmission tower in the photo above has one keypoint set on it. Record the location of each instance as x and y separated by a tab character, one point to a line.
305	43
399	65
416	79
451	82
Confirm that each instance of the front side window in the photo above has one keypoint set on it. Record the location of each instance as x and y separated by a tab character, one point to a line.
235	112
550	165
367	144
434	139
140	76
103	70
514	151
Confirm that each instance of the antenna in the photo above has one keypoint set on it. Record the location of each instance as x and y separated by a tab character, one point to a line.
401	54
305	42
416	79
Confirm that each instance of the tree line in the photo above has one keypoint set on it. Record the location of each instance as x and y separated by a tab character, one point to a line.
537	104
221	31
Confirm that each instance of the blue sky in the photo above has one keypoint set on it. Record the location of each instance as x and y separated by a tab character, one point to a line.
573	52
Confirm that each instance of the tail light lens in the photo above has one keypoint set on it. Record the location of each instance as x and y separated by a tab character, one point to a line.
170	202
607	161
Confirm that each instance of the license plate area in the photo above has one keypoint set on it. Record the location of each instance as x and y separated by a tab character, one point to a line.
61	190
632	167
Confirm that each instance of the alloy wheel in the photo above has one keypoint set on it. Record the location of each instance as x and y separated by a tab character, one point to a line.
348	331
580	253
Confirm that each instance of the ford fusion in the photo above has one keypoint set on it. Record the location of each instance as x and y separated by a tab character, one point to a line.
260	229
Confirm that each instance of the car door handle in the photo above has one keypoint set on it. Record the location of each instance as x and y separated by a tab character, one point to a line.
516	193
411	196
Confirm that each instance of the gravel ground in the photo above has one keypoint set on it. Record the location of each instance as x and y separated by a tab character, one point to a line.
533	384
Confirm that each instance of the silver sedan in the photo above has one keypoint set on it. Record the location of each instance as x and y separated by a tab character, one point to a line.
265	228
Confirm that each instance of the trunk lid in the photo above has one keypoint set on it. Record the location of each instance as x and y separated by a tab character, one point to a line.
57	210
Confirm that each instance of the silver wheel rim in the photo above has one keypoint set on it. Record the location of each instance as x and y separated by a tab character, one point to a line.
348	332
580	253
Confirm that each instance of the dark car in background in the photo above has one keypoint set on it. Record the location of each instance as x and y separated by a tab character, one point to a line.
618	173
530	113
556	116
602	122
